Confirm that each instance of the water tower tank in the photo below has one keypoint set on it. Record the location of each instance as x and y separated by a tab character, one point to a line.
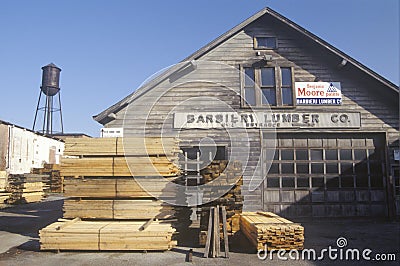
50	79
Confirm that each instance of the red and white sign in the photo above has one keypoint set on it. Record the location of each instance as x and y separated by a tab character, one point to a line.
318	93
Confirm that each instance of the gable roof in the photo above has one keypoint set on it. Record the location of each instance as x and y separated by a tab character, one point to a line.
103	117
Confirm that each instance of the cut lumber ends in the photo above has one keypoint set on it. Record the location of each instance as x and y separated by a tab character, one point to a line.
266	229
106	235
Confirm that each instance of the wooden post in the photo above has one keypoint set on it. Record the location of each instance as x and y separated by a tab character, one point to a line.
209	233
225	232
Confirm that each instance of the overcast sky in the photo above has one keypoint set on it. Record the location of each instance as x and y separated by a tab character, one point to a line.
106	49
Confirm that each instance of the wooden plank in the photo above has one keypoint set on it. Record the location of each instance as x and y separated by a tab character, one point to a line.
209	233
225	232
146	224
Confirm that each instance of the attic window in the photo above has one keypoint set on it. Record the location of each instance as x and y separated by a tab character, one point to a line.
265	42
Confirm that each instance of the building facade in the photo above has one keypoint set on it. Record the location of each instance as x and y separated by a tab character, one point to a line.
22	149
316	130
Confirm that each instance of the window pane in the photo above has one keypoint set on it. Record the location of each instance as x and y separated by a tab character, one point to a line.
316	154
301	154
317	168
287	98
286	77
288	182
303	182
287	168
274	169
360	154
249	77
267	42
287	155
362	169
268	76
273	182
269	96
332	168
250	96
331	154
317	182
345	155
302	168
346	168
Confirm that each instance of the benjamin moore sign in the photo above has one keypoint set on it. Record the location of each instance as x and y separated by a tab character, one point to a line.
318	93
259	119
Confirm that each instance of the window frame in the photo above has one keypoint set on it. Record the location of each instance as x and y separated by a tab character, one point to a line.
258	87
255	42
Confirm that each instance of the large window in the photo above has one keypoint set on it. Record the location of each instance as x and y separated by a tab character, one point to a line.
267	86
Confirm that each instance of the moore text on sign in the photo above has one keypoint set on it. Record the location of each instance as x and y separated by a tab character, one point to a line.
318	93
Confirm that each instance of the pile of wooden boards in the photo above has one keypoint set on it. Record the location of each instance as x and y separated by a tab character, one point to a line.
225	180
128	187
106	235
266	229
3	180
107	157
4	195
51	177
25	188
116	211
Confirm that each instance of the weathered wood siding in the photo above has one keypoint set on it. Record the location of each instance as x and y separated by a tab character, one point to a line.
310	61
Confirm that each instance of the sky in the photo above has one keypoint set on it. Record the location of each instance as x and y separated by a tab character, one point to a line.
106	49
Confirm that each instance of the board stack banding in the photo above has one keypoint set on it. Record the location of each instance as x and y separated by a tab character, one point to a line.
25	188
224	179
270	231
51	177
119	209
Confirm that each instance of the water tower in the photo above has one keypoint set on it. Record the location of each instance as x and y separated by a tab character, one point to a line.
51	106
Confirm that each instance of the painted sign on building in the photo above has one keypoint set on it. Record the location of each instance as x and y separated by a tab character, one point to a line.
318	93
260	119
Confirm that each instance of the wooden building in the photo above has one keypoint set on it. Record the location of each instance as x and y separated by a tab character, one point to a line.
330	123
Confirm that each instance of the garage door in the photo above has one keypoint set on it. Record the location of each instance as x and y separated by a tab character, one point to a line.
326	175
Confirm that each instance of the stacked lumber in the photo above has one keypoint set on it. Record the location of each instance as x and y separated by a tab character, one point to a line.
106	235
117	209
268	229
25	188
3	180
4	196
147	187
107	157
51	177
226	180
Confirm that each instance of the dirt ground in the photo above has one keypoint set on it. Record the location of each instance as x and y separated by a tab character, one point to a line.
19	243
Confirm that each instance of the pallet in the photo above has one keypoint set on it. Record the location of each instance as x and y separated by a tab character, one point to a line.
268	229
106	235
